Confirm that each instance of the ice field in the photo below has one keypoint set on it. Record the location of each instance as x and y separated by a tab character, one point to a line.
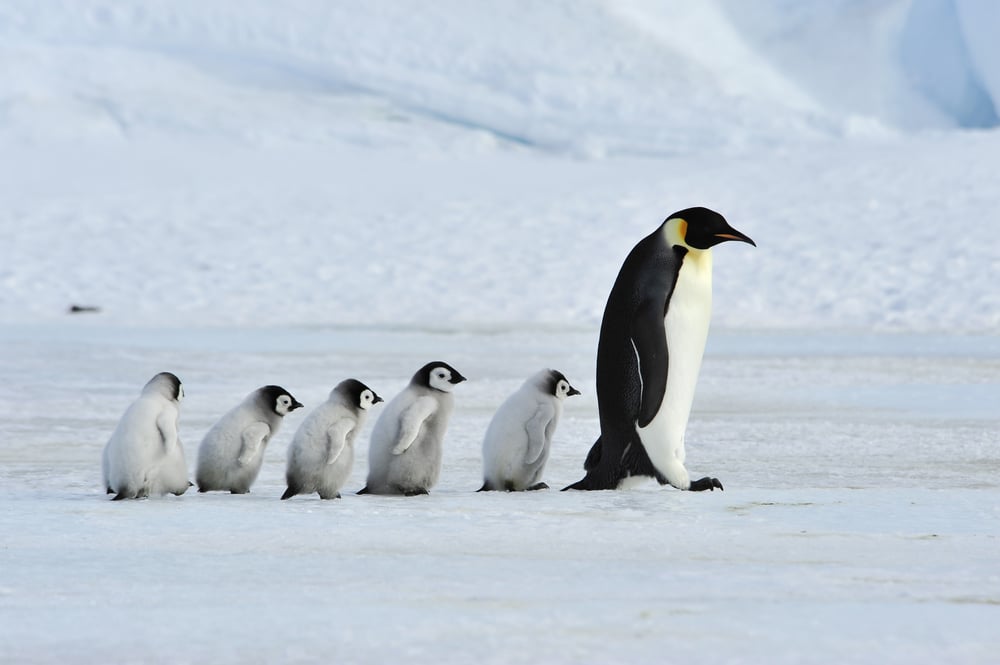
253	193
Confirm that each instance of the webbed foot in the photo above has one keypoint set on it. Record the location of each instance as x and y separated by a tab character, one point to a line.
706	483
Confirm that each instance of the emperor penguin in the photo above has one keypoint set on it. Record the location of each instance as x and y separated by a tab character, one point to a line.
518	439
321	455
144	455
404	455
230	455
650	350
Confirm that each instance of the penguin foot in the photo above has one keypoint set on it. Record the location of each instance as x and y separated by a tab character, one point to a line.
705	483
485	488
538	486
415	492
327	497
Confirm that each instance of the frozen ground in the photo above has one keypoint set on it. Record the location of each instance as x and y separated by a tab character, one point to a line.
860	521
255	192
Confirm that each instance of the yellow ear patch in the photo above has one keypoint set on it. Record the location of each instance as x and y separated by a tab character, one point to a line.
676	231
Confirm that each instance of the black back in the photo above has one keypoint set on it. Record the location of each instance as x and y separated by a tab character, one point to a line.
630	390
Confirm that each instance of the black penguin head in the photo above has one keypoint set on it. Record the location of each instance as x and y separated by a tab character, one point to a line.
167	384
437	375
357	393
557	385
278	399
701	228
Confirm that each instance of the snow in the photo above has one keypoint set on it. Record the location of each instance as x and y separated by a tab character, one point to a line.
257	193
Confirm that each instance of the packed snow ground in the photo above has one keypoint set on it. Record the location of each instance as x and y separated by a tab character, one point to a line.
254	193
859	523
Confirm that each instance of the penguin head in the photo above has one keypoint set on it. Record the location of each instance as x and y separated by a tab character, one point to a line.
700	228
166	384
358	393
557	385
438	375
278	400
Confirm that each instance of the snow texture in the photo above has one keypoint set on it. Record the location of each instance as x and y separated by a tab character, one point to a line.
300	192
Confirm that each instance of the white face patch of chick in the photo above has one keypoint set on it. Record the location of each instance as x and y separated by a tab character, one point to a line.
562	389
283	405
367	399
440	379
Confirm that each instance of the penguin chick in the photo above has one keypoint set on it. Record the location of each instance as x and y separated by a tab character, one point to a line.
404	455
230	455
518	439
321	454
144	455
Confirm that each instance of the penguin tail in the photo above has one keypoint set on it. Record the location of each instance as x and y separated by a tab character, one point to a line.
289	493
606	473
486	487
594	456
364	490
591	464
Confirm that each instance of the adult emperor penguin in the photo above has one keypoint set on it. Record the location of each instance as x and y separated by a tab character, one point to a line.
404	455
650	350
230	455
517	441
321	454
144	455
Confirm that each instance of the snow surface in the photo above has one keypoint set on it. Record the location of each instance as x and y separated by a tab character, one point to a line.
300	192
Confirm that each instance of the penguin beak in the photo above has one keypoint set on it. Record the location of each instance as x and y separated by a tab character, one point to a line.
456	378
733	234
377	400
296	404
572	391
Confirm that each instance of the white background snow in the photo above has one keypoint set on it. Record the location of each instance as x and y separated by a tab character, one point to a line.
299	192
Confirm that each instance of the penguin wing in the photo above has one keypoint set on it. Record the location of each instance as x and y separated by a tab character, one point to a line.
253	436
336	439
537	428
411	420
649	339
166	424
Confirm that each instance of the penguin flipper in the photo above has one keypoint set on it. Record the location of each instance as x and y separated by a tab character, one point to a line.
649	339
536	429
591	465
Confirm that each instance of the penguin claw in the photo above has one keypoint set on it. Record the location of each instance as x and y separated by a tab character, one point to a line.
706	483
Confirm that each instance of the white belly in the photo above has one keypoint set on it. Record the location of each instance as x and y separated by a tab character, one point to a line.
686	327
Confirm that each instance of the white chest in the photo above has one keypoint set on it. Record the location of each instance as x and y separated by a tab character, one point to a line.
686	328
